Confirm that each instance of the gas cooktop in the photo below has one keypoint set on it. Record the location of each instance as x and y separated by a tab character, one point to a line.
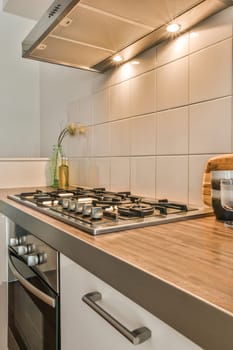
98	211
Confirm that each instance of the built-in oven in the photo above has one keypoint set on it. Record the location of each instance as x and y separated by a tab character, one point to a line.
33	292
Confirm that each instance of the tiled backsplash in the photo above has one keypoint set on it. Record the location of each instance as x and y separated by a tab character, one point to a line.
152	126
24	172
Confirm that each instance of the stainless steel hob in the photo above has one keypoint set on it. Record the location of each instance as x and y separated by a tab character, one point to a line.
99	211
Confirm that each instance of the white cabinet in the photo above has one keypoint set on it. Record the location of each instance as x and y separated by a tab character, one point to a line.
3	283
84	329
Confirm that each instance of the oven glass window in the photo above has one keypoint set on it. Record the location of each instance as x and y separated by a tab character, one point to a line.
33	325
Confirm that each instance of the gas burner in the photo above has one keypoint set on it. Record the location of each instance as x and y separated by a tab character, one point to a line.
136	210
96	210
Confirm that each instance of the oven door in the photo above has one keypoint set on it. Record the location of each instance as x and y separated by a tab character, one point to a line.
33	309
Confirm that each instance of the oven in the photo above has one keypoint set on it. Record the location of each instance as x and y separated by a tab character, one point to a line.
33	292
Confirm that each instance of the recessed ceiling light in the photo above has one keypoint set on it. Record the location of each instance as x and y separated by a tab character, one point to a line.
135	62
117	58
173	27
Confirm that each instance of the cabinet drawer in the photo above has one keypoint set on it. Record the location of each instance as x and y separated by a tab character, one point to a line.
84	328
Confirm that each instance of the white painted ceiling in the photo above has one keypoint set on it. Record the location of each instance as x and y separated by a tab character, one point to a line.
32	9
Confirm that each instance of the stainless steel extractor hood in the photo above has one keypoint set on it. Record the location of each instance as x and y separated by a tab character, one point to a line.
87	34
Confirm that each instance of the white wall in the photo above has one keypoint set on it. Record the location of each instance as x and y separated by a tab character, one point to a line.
152	126
19	91
58	86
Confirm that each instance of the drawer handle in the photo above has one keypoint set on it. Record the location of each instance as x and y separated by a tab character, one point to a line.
137	336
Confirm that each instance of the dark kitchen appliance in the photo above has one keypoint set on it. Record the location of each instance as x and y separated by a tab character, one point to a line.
99	211
33	292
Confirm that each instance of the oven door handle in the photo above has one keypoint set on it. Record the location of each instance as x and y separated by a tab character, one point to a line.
32	289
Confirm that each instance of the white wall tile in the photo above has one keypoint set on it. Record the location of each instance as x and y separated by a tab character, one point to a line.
197	165
212	30
211	72
101	81
172	178
192	101
74	165
22	172
143	176
210	126
101	106
146	61
120	174
172	84
172	49
172	131
85	110
120	100
143	135
72	111
101	172
79	145
142	94
80	174
120	138
101	140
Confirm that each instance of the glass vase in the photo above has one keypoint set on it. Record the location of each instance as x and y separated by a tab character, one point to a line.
54	166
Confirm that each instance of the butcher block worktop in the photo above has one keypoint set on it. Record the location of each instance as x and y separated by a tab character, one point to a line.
181	272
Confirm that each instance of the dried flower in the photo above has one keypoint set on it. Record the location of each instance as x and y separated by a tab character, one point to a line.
72	129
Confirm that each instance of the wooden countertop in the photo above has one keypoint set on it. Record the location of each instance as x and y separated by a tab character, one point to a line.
191	261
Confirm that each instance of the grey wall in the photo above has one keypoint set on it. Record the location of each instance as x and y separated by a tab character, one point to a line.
19	92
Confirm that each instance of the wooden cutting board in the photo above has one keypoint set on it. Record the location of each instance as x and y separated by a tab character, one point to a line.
223	162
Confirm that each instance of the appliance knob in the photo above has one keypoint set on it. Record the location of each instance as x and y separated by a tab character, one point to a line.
65	203
87	209
31	248
22	239
43	257
79	207
36	259
21	249
14	241
71	205
96	212
32	260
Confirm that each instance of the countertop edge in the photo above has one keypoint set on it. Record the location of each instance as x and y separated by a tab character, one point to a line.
206	325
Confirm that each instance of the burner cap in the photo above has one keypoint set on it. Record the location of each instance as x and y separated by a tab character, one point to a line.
135	210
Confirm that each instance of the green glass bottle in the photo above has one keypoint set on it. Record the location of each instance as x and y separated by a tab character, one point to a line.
54	165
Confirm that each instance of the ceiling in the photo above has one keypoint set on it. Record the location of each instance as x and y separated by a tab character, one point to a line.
32	9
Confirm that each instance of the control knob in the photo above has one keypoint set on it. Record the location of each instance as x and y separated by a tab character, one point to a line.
36	259
96	212
71	205
79	207
87	209
14	241
65	203
21	250
25	249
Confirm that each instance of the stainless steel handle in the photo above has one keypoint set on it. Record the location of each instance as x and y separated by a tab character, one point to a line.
137	336
32	289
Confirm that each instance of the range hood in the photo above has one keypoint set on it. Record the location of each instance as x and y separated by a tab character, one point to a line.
87	34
